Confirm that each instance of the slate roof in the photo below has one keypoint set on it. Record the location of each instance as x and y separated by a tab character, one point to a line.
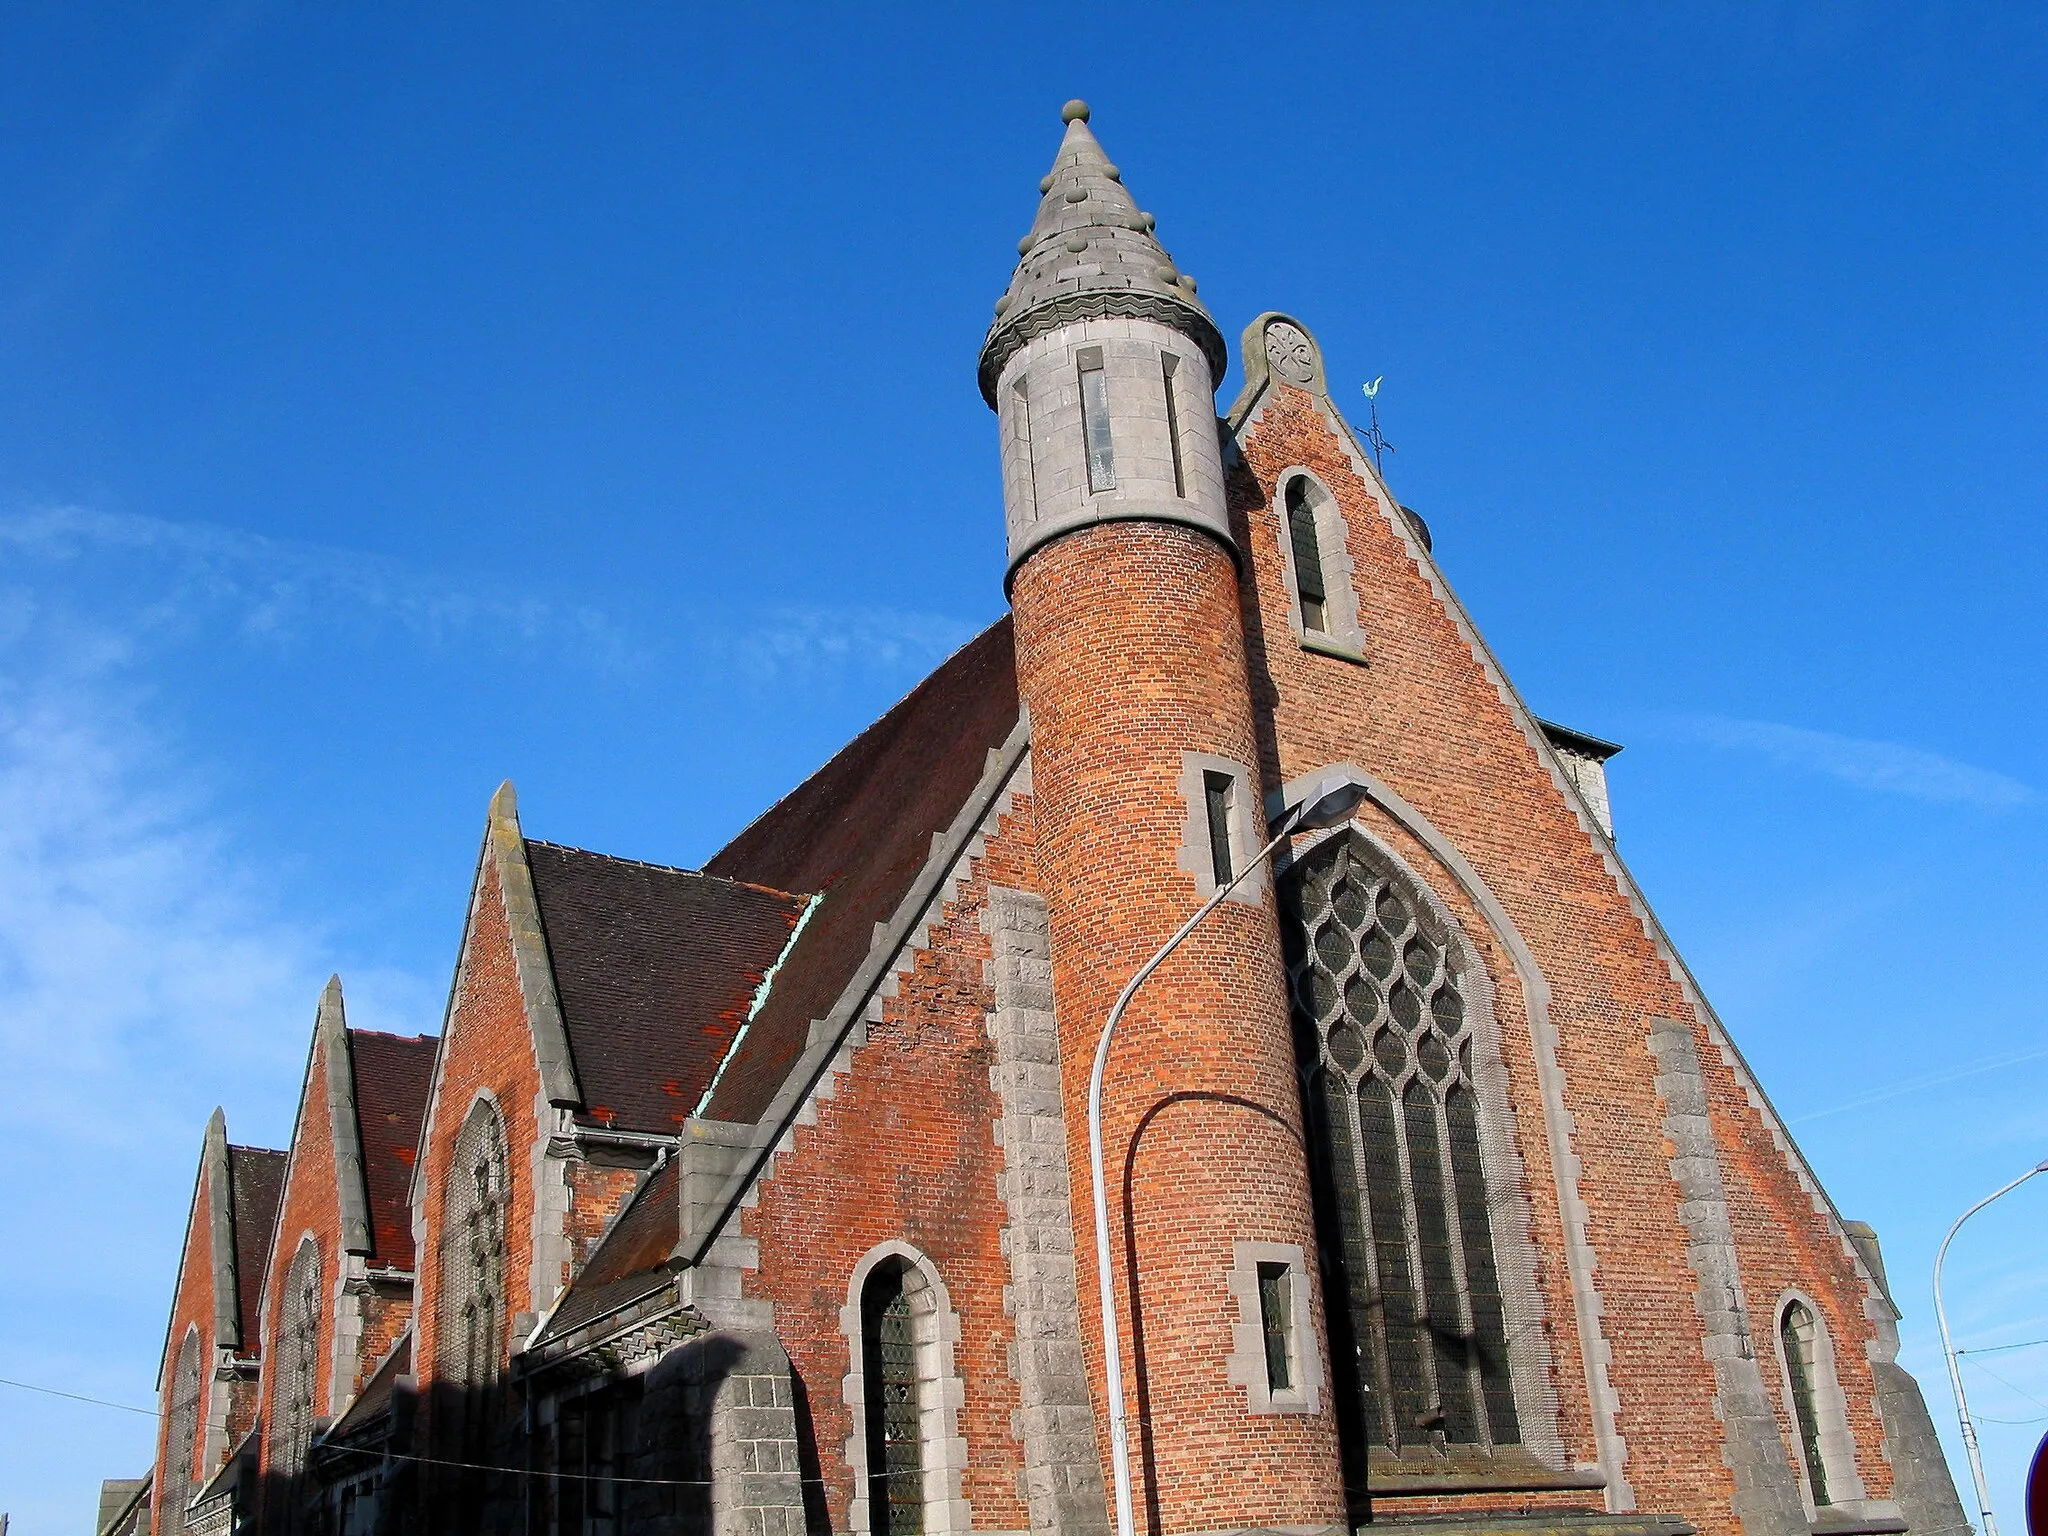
857	832
256	1176
656	969
393	1076
631	1261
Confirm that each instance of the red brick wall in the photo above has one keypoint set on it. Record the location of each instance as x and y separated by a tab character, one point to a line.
905	1149
1424	717
1130	652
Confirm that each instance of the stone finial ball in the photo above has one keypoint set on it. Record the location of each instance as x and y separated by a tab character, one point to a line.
1074	111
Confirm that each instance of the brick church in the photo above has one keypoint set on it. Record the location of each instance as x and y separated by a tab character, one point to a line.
758	1199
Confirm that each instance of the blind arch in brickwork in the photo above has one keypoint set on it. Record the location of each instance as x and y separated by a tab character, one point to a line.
181	1430
298	1360
473	1307
1429	1274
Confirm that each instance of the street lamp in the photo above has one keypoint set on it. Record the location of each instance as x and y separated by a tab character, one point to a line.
1955	1374
1330	805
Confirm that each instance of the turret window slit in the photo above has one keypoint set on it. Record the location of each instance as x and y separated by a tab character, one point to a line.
1095	420
1168	366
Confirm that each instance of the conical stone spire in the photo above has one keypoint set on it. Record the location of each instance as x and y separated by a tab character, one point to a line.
1091	252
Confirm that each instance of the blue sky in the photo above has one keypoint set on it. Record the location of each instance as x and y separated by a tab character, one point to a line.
402	398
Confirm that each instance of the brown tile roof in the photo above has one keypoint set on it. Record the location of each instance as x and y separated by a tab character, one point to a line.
656	969
631	1261
256	1174
858	831
393	1074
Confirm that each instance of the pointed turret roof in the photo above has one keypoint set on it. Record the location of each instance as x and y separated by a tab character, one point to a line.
1091	252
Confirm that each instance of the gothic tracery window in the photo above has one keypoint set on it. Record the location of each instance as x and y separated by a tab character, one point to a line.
1385	1045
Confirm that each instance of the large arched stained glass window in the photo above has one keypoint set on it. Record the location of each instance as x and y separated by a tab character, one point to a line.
298	1364
1384	1042
181	1432
473	1308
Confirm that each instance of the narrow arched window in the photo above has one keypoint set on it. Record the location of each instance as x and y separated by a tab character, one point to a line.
894	1414
472	1311
1797	1338
1309	588
1384	1038
298	1360
181	1432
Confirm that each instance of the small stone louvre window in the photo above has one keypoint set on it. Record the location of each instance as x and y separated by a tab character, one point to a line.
1273	1354
298	1359
180	1431
1220	839
1095	420
1217	790
1276	1322
1169	365
1385	1046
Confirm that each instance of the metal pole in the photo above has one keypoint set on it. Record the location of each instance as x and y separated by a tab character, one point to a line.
1955	1373
1112	1353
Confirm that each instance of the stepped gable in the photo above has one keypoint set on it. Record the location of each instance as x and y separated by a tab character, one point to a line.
656	969
393	1076
256	1175
631	1261
858	831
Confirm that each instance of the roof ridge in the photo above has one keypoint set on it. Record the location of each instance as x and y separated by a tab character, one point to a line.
234	1146
669	869
385	1034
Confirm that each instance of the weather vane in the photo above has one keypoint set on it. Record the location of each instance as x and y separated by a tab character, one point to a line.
1376	439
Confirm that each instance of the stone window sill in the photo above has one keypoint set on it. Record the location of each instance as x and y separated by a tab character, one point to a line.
1324	645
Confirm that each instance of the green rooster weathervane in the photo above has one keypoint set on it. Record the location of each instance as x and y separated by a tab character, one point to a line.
1376	439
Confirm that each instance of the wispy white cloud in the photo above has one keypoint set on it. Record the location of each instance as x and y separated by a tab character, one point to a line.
278	590
784	643
1889	767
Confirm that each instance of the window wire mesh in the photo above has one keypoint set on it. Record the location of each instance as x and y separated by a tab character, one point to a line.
1384	1046
894	1424
180	1457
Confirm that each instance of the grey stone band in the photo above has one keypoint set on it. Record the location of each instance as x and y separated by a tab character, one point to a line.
1012	333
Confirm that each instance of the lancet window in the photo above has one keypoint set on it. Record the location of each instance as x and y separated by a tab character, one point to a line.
1385	1045
1796	1336
1310	589
895	1438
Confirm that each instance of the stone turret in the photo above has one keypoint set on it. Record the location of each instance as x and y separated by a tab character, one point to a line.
1102	365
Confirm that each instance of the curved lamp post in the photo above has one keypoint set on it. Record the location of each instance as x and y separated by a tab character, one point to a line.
1330	805
1955	1374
